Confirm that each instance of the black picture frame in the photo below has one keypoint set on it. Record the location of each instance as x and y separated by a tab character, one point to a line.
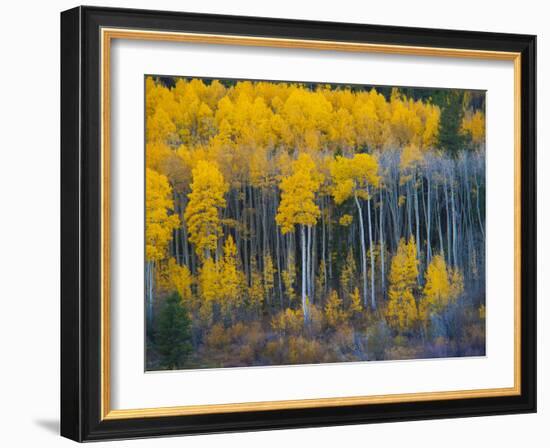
81	224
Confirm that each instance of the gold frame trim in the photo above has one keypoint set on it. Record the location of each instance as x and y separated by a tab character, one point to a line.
107	35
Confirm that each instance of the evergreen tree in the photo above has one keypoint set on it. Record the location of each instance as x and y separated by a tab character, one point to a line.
451	137
173	333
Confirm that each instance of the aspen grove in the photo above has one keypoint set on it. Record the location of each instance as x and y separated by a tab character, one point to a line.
296	223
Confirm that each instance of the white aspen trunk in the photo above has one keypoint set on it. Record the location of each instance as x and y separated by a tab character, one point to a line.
304	301
363	249
309	264
429	225
278	255
409	211
323	246
382	249
478	212
453	219
329	243
312	263
449	251
440	232
149	290
245	242
417	222
372	290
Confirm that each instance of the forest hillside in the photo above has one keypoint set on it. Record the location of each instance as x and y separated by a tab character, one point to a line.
293	223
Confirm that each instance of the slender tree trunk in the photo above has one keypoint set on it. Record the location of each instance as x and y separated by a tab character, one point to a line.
417	228
329	243
382	248
323	245
304	269
363	249
312	262
372	267
453	218
429	224
478	212
308	264
448	223
149	288
278	256
409	211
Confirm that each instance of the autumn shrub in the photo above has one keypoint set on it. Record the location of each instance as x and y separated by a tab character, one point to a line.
403	352
334	311
440	347
448	323
237	332
304	351
246	354
254	335
289	322
317	321
343	339
218	337
379	338
274	351
473	342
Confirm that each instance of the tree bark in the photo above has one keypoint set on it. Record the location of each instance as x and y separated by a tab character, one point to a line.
304	268
372	268
363	249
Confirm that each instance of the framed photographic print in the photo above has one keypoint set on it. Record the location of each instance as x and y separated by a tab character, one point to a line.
275	224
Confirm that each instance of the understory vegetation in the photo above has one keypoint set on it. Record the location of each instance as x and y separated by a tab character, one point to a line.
291	223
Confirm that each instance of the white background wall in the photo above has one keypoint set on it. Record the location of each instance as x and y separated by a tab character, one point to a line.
29	220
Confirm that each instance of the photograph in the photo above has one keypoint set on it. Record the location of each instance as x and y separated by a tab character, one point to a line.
272	222
304	222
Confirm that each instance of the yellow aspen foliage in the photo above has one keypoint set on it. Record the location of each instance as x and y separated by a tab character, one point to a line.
289	278
230	278
160	127
347	276
155	155
334	310
356	305
456	283
209	287
371	117
159	222
160	110
481	312
473	124
202	214
342	130
436	289
411	156
345	220
401	311
321	279
443	286
352	176
180	279
256	290
298	192
269	274
432	115
413	122
306	116
288	322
